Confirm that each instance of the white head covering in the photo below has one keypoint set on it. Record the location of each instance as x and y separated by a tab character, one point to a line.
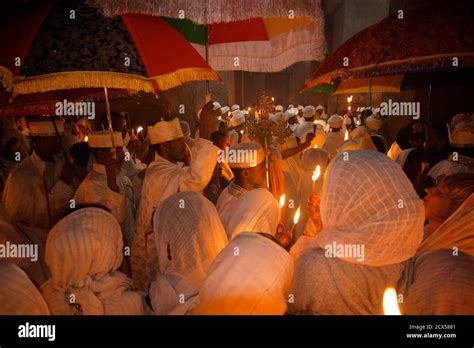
335	121
461	130
319	107
251	276
288	114
308	127
290	107
103	139
235	107
255	211
185	128
368	200
248	155
279	108
238	118
225	109
83	252
309	111
18	295
373	122
188	237
300	107
164	131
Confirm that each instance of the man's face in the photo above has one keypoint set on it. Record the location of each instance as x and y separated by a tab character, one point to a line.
436	204
120	125
318	114
224	142
257	175
176	150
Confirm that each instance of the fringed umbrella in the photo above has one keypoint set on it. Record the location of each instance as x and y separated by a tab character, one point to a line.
69	45
430	39
246	35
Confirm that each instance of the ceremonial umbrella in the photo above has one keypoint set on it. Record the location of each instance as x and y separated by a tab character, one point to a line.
70	46
426	39
245	35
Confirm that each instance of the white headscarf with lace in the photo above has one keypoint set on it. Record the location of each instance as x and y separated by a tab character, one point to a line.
83	252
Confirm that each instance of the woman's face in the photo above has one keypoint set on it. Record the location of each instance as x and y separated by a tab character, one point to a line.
437	204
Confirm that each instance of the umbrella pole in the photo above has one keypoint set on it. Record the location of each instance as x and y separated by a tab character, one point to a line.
109	120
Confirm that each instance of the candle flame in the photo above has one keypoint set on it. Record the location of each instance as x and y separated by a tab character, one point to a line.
316	173
282	200
228	113
242	131
390	303
248	109
297	216
139	129
86	139
219	118
349	108
315	146
349	99
346	137
273	99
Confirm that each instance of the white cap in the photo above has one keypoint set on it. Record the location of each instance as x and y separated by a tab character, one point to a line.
319	107
309	111
279	108
216	105
300	107
238	119
373	122
289	114
45	128
290	107
235	107
164	131
103	139
251	156
335	121
225	109
279	117
461	130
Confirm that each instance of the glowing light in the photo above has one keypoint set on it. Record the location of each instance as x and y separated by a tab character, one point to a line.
273	99
315	146
390	303
282	200
297	216
349	108
346	137
139	129
349	99
86	139
242	131
248	109
316	173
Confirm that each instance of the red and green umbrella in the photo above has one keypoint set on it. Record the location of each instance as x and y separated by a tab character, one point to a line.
46	50
248	35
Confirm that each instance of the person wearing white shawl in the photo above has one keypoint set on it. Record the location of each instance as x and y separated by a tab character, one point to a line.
334	138
255	211
107	183
311	158
166	176
372	223
251	276
309	128
83	252
18	295
188	237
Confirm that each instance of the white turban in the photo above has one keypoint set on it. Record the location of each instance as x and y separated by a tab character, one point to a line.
279	108
251	276
374	123
368	200
309	111
83	252
18	295
335	121
235	107
255	211
188	237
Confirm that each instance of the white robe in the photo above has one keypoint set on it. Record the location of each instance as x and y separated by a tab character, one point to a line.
94	190
333	141
227	201
162	179
24	200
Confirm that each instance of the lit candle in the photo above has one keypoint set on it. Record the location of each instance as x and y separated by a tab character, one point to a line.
346	137
349	108
282	200
86	139
295	220
273	99
316	146
139	129
248	109
315	177
390	303
242	131
219	118
349	99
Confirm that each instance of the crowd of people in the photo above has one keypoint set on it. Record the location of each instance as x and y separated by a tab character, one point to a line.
104	219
